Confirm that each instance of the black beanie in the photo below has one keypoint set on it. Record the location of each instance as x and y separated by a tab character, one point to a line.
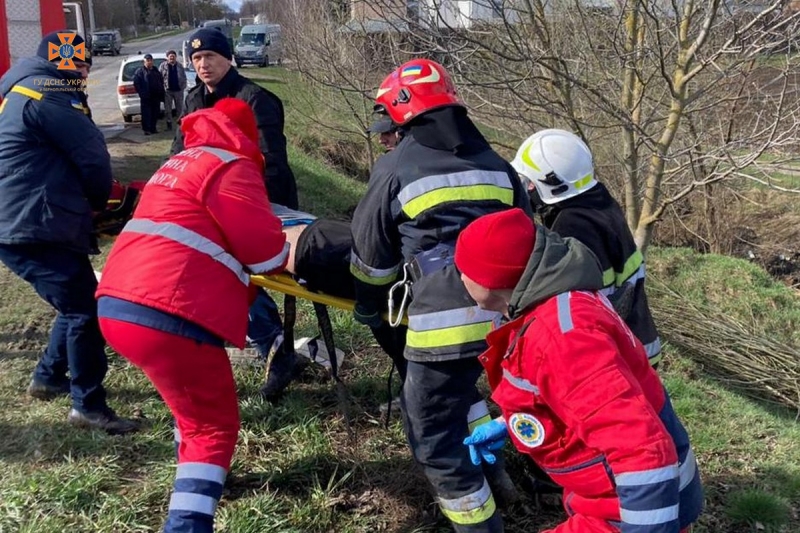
210	39
78	47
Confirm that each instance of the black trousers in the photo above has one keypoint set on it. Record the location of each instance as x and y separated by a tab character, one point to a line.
436	401
65	279
151	107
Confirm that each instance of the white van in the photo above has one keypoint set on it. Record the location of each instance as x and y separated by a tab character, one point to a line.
259	44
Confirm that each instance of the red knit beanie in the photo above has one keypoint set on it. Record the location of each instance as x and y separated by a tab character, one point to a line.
241	114
494	250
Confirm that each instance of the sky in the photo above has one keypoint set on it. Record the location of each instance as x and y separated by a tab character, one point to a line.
234	4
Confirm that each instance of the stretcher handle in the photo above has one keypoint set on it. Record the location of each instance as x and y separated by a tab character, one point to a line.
287	285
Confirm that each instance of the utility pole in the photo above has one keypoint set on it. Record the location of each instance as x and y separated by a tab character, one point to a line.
92	26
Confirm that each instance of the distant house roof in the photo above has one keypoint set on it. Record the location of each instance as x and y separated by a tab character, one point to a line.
375	26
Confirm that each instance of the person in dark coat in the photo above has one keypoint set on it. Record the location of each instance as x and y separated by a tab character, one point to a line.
55	171
217	78
149	86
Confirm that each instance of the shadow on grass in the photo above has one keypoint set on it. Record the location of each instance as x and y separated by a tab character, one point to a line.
727	498
52	443
30	355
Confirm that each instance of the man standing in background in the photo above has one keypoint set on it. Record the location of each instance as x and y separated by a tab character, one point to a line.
150	87
174	77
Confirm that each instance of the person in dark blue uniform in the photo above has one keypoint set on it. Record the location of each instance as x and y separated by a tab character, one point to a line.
55	172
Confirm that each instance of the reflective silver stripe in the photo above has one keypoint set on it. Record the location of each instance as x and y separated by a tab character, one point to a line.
450	318
647	477
520	383
636	276
271	264
477	411
564	312
688	469
456	179
225	155
608	291
468	502
197	503
177	434
188	238
649	518
201	471
653	348
373	272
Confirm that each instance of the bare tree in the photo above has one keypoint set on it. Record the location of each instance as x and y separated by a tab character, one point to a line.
343	64
154	16
672	96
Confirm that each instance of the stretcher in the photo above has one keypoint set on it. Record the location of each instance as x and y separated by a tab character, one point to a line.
292	289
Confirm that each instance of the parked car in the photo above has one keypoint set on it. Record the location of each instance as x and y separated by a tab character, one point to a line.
259	44
106	42
129	103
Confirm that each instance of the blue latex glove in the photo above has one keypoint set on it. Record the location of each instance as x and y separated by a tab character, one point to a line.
485	439
366	316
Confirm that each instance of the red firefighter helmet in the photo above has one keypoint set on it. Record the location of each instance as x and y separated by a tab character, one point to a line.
414	88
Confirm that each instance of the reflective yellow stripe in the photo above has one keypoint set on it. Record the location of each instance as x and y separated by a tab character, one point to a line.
366	278
608	277
469	516
655	360
448	336
526	158
30	93
457	194
631	266
583	182
3	105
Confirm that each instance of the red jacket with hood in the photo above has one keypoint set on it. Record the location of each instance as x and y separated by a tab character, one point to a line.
203	224
580	398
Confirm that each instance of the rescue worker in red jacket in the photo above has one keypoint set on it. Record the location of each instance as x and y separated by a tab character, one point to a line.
441	176
574	385
176	287
559	171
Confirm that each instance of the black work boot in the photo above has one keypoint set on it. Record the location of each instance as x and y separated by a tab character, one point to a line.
42	391
105	419
282	367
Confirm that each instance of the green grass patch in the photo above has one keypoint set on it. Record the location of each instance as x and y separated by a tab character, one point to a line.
734	287
145	36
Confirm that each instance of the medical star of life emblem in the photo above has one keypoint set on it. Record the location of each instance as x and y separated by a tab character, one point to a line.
196	44
527	429
66	51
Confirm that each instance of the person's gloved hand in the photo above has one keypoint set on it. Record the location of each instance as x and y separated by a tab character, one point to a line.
367	316
485	439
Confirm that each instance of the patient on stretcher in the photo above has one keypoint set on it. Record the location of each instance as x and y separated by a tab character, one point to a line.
319	251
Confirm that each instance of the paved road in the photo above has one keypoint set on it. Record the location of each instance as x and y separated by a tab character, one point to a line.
105	71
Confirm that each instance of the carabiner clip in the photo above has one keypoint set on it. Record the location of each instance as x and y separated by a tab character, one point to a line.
406	284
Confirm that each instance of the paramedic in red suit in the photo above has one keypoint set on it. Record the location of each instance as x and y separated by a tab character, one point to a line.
574	384
175	289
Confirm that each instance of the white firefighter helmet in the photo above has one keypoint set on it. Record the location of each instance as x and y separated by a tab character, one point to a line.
558	163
